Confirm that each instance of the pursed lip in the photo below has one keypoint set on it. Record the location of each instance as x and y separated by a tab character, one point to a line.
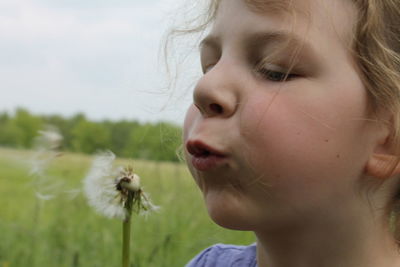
204	157
198	148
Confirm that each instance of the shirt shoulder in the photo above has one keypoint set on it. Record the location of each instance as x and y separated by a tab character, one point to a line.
221	255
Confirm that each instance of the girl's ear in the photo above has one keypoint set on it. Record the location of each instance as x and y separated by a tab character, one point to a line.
383	166
382	163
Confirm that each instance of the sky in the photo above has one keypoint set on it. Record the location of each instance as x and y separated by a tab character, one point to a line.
97	57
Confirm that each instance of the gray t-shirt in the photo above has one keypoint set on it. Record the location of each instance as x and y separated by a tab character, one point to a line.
221	255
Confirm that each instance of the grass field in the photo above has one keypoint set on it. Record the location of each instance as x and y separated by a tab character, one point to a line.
64	231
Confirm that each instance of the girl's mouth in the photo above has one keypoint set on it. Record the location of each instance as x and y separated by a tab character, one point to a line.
204	157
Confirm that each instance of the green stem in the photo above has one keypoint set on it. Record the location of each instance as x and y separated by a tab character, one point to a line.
126	231
35	231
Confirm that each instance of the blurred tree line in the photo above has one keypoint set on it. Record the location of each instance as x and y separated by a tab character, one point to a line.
153	141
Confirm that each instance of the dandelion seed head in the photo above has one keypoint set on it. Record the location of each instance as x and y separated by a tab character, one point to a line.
108	188
100	186
128	181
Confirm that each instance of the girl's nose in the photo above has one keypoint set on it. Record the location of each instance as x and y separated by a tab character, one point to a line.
215	95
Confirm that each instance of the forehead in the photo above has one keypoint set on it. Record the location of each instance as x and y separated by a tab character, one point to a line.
335	18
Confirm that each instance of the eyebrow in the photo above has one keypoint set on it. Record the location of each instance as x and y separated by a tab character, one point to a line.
256	40
268	5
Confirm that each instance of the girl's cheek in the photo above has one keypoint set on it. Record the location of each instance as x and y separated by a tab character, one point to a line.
188	124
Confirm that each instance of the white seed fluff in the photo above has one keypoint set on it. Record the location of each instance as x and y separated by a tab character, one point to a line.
49	139
46	146
100	187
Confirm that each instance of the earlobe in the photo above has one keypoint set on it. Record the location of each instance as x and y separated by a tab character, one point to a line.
382	166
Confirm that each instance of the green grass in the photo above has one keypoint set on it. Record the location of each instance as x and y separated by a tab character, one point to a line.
66	232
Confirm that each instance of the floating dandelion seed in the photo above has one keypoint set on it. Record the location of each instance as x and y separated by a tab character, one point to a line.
46	146
49	139
108	188
116	192
46	150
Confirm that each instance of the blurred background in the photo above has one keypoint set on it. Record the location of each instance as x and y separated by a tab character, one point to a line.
91	68
92	71
97	57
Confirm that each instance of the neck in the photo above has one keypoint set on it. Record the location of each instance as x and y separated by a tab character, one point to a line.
329	242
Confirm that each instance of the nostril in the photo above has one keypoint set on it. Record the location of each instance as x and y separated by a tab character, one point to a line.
216	108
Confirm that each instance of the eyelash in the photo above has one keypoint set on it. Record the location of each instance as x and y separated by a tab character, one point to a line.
266	74
282	76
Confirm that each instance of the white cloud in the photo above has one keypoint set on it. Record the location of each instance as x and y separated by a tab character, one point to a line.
97	59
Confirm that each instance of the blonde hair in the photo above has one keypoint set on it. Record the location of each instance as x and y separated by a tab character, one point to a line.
376	48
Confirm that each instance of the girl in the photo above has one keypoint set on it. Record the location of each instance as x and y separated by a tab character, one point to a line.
293	132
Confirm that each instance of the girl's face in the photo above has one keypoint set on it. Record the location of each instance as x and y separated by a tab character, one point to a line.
267	152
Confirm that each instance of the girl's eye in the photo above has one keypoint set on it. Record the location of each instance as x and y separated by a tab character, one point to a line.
276	76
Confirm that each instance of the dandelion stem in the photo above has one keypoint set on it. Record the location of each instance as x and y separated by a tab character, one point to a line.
126	230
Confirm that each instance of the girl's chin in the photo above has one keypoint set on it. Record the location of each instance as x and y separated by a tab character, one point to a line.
228	211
